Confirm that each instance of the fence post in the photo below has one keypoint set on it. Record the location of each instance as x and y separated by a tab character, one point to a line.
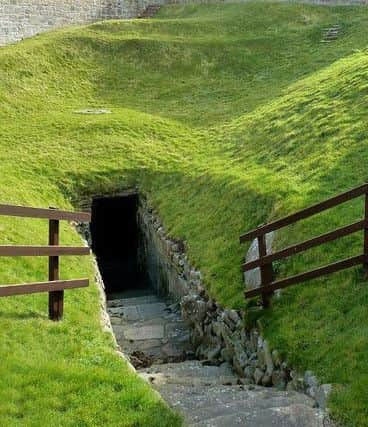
365	265
56	299
266	271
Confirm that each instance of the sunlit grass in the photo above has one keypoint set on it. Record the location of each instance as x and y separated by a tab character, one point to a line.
225	116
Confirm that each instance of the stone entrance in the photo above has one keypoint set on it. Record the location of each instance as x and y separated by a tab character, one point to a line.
147	326
116	244
149	284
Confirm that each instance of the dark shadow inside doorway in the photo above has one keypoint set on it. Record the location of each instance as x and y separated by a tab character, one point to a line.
116	244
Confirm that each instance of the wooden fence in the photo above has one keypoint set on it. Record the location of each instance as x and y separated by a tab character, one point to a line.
55	287
264	262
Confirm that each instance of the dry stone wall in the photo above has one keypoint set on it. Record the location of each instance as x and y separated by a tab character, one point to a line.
218	335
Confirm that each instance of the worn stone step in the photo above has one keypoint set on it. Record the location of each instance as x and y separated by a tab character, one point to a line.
193	398
242	405
189	397
290	416
190	373
124	302
249	404
150	330
149	311
144	311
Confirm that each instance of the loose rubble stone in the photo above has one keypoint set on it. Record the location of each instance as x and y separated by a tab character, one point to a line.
258	375
276	358
296	383
266	380
249	372
226	355
279	380
268	359
322	395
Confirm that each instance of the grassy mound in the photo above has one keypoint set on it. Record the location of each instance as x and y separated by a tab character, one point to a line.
226	116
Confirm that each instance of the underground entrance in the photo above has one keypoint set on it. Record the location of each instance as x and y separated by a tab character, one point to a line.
147	326
116	244
128	242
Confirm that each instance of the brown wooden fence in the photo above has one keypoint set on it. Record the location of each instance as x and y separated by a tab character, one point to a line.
55	287
264	262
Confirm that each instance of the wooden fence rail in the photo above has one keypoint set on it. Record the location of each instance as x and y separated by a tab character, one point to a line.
55	287
264	262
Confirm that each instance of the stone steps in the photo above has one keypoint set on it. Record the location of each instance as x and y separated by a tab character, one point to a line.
292	416
124	302
148	329
209	396
331	34
152	333
190	373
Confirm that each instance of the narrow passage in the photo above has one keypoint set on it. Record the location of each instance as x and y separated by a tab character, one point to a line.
152	334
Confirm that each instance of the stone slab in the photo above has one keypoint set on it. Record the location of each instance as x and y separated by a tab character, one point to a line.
130	313
171	350
144	332
190	373
291	416
154	351
249	406
174	329
199	393
124	302
148	311
144	345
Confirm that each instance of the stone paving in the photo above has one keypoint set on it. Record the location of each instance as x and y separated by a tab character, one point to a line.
209	396
150	328
151	332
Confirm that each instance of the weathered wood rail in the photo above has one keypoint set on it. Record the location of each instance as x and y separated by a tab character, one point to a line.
55	287
264	262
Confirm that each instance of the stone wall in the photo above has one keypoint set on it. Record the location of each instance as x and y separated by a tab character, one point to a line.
84	231
218	335
24	18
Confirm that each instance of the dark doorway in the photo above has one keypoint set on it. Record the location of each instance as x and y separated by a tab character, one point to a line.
115	242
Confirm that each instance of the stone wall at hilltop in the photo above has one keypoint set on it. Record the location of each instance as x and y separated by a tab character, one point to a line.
25	18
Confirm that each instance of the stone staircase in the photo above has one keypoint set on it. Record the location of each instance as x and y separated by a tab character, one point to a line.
152	334
209	396
150	11
149	329
331	34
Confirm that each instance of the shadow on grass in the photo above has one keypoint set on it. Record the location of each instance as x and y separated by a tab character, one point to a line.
5	315
209	211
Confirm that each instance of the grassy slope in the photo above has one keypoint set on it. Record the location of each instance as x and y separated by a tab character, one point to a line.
232	114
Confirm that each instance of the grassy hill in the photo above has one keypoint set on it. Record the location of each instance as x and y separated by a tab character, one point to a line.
232	114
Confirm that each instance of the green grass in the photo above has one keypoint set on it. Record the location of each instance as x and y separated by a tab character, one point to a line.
225	116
